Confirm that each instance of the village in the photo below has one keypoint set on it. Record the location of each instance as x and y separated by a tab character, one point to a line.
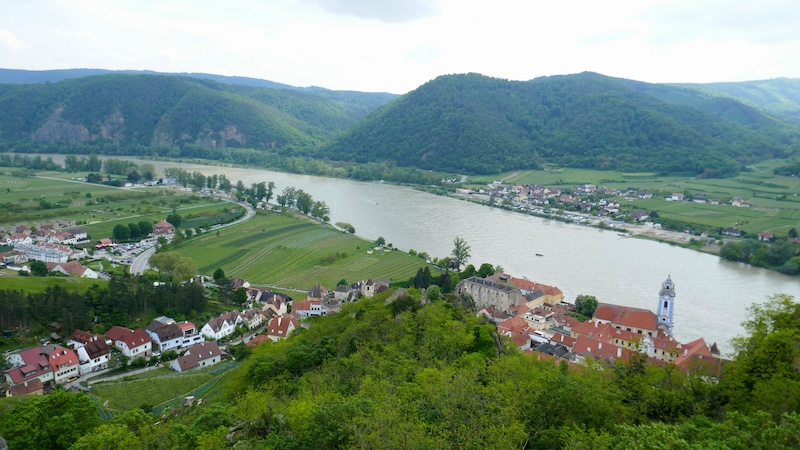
531	317
600	206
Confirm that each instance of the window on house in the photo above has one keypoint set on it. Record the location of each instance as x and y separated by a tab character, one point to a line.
639	331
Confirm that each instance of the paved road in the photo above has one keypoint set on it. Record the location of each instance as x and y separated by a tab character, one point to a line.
140	263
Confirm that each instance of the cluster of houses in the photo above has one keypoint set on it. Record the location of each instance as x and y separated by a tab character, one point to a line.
536	320
319	301
584	199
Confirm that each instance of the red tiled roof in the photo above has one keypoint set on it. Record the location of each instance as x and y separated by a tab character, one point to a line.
131	338
626	316
695	348
257	339
521	339
81	336
62	357
304	305
512	325
596	349
26	388
279	326
567	341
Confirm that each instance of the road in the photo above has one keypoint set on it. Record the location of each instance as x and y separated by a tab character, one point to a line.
140	263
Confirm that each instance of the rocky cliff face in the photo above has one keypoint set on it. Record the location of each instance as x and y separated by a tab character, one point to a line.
59	130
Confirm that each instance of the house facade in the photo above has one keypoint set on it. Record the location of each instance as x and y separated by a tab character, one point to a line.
222	326
280	327
132	343
92	350
199	355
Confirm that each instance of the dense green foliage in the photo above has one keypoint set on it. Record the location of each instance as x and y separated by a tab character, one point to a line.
476	124
412	374
780	255
119	303
779	96
105	112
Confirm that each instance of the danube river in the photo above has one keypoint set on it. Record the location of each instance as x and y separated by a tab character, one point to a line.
712	294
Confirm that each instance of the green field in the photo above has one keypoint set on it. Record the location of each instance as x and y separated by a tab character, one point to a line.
775	199
286	250
158	387
97	208
10	280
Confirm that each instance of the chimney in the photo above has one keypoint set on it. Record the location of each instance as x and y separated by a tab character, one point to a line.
619	352
599	345
595	324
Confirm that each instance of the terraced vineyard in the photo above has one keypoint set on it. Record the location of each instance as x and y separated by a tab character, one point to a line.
294	252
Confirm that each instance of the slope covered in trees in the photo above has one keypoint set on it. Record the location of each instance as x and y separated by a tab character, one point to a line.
780	96
170	111
407	375
476	124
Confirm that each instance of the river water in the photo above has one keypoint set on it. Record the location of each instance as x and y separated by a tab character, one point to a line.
712	295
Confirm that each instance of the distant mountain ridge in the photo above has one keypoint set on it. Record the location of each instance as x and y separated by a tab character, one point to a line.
466	123
163	110
475	124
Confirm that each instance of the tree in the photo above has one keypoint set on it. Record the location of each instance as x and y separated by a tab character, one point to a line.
175	219
219	275
585	305
485	270
38	268
792	233
53	421
380	241
121	232
145	228
240	296
304	201
461	251
270	189
135	233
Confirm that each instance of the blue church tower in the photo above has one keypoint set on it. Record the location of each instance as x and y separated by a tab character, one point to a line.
666	306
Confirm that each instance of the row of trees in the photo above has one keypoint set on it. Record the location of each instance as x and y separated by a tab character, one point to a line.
132	231
119	303
780	255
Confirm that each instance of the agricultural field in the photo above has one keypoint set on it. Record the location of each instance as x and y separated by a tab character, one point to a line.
97	208
775	199
10	280
159	388
290	251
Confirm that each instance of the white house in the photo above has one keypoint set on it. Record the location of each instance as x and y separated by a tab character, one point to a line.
64	362
199	355
132	343
253	318
307	308
280	327
165	333
222	325
93	351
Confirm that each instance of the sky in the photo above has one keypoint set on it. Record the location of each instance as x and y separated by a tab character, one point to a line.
397	45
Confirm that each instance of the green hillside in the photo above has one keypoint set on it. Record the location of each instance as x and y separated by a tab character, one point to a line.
476	124
780	96
174	111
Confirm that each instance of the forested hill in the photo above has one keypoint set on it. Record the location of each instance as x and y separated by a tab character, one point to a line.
477	124
175	111
780	96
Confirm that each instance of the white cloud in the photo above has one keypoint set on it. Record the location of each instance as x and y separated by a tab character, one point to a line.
397	45
10	41
390	11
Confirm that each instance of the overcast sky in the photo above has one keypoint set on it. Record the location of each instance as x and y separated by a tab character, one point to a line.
397	45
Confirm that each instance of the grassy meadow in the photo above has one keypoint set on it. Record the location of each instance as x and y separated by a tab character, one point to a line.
160	387
97	208
775	199
10	280
283	249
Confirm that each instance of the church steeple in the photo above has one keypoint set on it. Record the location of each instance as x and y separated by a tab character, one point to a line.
666	305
